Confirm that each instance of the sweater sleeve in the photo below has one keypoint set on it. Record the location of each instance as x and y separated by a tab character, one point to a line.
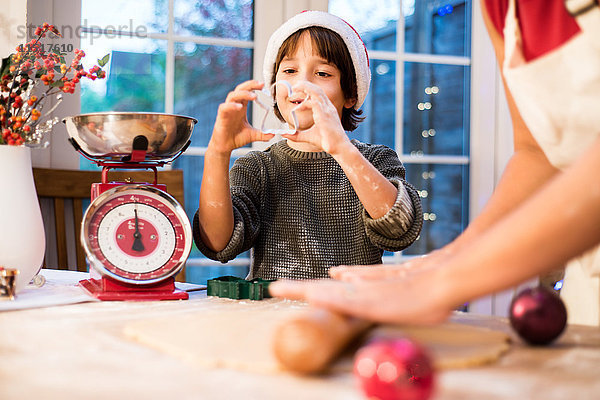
402	224
245	183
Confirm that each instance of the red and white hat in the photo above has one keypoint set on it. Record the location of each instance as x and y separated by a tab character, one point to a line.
355	45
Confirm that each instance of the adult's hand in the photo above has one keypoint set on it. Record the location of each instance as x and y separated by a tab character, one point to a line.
354	273
409	300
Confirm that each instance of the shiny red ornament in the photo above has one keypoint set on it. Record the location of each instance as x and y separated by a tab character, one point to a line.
394	369
538	315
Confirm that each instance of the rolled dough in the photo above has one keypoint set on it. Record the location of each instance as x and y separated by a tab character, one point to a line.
238	334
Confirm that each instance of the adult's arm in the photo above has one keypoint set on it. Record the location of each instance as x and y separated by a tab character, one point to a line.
558	222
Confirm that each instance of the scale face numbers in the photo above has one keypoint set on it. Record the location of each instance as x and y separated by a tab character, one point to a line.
136	234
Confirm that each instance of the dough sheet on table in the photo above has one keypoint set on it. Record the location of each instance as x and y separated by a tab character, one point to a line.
238	334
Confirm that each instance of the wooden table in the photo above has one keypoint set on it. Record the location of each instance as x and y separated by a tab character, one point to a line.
78	351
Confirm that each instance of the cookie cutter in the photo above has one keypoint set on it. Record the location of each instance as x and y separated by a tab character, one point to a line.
264	99
232	287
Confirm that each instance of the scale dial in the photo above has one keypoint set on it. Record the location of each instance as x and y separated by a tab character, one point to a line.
136	234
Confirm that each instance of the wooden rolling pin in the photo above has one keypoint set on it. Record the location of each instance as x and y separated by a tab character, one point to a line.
308	343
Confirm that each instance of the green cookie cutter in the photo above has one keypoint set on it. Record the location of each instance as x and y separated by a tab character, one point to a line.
232	287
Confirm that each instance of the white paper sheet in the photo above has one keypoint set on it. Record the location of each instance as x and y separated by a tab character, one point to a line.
60	288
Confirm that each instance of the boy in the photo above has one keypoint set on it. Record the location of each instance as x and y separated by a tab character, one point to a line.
316	199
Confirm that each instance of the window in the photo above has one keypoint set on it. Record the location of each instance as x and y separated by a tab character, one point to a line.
419	101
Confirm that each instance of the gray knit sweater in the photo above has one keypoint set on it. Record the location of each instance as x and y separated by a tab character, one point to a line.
300	214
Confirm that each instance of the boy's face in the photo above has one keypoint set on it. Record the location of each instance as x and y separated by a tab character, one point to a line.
307	65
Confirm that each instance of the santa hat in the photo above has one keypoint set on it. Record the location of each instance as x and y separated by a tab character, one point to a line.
354	43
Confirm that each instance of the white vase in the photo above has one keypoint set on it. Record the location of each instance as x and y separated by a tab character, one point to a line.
22	238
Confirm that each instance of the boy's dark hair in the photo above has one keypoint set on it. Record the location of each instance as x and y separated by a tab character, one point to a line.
331	47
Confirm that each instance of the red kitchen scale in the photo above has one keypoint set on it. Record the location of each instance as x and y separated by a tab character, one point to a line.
135	235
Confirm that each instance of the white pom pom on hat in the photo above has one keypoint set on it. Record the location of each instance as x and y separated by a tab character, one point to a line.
355	45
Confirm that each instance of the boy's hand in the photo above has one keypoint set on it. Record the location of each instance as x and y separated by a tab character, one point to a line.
232	129
327	132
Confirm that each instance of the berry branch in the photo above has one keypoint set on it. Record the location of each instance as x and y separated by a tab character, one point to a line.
20	109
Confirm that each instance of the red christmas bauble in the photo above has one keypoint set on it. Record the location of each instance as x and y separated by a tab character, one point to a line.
394	369
538	315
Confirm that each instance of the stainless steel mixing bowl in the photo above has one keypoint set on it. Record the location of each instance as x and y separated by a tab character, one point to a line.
110	135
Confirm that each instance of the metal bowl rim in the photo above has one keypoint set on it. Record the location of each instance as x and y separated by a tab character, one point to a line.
125	113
